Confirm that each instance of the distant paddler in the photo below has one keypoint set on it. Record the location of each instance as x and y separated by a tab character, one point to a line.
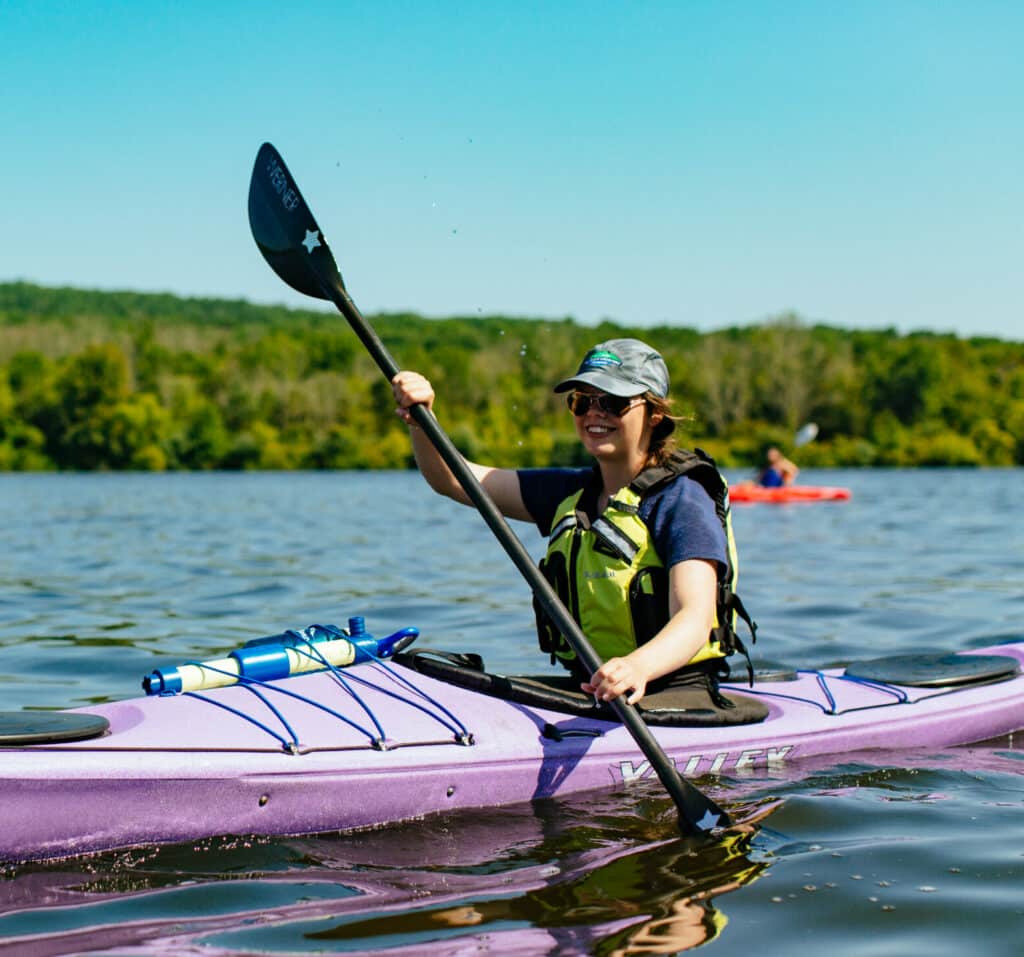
777	470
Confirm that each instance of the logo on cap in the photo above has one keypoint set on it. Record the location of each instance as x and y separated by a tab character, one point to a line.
600	359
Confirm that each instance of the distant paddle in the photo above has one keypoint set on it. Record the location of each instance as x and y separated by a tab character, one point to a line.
291	241
805	434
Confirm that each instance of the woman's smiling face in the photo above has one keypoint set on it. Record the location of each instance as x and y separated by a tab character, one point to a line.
605	435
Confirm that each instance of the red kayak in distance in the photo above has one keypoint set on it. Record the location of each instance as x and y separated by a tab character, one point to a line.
752	492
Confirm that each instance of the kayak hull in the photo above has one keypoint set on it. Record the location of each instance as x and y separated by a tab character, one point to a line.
183	768
746	492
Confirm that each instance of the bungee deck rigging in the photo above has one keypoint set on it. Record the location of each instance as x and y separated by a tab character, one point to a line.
387	660
818	689
892	695
308	647
887	696
379	741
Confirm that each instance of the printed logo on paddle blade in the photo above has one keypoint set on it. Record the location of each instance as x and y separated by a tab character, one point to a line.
312	240
279	180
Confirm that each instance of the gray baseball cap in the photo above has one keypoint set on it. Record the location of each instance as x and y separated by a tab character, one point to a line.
623	367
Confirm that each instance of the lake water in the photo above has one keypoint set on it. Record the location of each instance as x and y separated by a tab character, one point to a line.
103	576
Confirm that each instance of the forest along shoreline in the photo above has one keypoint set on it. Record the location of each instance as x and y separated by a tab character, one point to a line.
142	381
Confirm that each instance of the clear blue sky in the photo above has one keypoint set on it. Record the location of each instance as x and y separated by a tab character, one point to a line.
698	163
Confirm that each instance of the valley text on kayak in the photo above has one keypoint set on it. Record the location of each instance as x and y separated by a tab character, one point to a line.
745	761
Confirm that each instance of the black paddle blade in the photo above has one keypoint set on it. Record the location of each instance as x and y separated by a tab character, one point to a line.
285	230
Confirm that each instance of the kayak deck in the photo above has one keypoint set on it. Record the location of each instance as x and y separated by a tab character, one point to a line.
378	743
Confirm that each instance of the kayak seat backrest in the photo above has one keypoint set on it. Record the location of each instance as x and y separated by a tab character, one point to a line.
936	670
673	707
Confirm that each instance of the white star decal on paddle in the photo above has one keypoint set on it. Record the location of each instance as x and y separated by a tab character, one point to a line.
312	240
709	821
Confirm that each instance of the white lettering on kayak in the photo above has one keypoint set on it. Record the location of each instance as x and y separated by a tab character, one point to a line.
747	759
691	766
633	772
279	180
714	763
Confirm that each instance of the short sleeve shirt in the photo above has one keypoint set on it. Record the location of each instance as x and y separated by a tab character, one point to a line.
680	514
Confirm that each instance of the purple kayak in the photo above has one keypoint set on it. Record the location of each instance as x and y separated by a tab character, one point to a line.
383	741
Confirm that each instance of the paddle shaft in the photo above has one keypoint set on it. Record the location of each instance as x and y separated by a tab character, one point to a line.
290	240
693	805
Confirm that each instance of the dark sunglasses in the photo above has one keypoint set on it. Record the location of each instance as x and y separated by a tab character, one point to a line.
617	405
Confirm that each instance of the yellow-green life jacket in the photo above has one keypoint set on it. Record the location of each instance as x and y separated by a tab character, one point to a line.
612	581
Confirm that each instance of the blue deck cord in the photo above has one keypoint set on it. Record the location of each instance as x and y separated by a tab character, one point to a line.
314	654
901	696
252	683
822	680
285	744
823	684
375	742
461	732
458	729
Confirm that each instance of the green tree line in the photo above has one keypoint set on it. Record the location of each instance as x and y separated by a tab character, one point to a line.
119	380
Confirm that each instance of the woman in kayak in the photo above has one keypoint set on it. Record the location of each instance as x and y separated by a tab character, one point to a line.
777	469
637	551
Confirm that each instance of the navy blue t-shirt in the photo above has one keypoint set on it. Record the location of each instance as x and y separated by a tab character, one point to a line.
680	514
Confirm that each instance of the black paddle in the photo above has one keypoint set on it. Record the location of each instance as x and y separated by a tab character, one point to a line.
291	241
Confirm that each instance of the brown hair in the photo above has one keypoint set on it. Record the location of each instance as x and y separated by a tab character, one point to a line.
663	441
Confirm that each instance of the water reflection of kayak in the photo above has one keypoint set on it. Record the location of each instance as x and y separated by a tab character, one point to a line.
568	876
751	492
